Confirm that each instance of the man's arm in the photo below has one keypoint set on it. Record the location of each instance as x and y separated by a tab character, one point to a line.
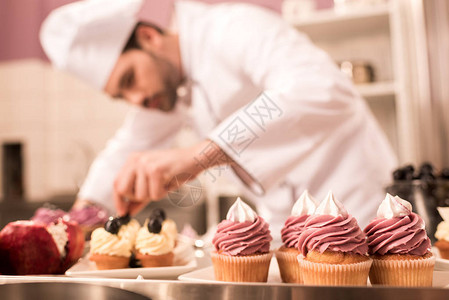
148	176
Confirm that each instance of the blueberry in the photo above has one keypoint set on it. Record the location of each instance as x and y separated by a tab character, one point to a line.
445	173
158	212
123	220
426	172
426	168
155	225
399	174
112	225
427	177
409	171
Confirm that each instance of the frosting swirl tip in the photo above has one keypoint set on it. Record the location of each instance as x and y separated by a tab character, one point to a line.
331	206
392	207
241	212
305	205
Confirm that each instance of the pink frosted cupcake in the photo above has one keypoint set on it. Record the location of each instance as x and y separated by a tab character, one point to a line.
242	246
333	247
399	246
287	254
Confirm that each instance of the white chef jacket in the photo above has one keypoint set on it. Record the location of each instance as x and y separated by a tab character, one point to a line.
275	103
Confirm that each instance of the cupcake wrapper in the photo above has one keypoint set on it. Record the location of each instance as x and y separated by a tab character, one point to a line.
251	268
442	250
417	272
289	266
444	253
313	273
108	262
150	261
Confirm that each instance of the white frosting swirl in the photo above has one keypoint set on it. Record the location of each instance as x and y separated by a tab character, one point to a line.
129	231
392	207
442	232
103	242
60	236
241	212
169	229
444	213
305	205
331	206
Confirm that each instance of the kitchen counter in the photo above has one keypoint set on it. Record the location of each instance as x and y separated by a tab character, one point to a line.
175	289
168	290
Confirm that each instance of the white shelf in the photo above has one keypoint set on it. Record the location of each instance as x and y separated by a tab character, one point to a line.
329	23
377	89
332	16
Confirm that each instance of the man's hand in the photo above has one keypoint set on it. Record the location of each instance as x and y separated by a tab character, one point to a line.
146	176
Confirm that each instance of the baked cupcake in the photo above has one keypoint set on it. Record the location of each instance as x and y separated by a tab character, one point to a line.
333	247
442	233
107	249
155	242
287	254
242	246
399	246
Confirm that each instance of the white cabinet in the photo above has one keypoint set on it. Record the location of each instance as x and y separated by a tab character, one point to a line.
376	34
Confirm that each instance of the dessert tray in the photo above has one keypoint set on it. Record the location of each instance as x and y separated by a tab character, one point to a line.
206	275
86	268
184	261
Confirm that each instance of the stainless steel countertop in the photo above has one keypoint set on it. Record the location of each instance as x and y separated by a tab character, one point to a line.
168	290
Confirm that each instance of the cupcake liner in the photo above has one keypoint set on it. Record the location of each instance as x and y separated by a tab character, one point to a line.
415	272
443	248
248	268
108	262
150	261
314	273
444	253
289	266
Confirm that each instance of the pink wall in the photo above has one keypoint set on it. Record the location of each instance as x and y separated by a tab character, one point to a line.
20	21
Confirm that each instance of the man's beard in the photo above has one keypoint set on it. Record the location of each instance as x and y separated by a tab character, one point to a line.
170	79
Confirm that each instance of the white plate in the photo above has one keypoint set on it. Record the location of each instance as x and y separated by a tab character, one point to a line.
206	275
441	264
87	268
184	261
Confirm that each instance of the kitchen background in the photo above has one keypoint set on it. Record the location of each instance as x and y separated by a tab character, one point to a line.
52	125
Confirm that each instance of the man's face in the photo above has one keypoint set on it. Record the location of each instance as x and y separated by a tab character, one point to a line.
144	79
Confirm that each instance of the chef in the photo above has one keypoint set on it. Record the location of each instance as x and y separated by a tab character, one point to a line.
269	106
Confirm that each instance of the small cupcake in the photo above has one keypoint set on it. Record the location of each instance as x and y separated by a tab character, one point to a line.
399	246
242	246
155	243
107	249
442	233
333	247
287	254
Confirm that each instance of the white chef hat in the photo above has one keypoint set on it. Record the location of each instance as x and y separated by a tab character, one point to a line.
87	37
